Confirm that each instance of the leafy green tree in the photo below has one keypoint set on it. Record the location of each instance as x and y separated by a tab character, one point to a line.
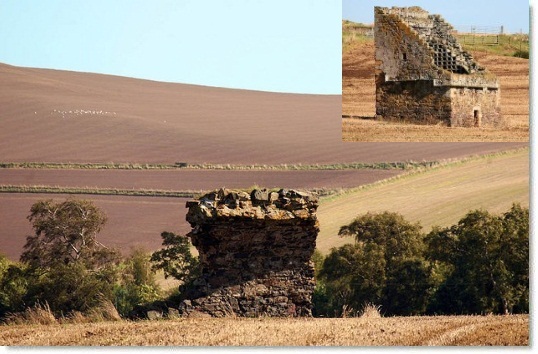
71	287
65	264
352	275
486	259
399	238
405	284
317	259
175	259
4	264
385	266
66	232
408	288
13	286
137	285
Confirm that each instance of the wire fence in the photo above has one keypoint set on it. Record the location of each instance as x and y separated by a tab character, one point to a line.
489	35
479	30
471	34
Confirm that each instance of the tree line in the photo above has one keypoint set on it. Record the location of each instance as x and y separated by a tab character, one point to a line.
478	266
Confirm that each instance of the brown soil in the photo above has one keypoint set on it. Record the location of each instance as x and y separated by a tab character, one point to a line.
358	99
140	121
192	179
156	122
138	221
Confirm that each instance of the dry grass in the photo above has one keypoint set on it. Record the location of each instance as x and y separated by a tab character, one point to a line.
370	130
359	331
440	196
104	312
371	311
40	314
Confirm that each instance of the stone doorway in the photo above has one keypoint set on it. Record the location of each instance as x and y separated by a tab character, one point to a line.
477	116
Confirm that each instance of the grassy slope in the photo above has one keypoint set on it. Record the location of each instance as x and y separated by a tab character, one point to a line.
439	196
442	330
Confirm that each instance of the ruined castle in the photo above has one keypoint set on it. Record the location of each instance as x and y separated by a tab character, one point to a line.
423	76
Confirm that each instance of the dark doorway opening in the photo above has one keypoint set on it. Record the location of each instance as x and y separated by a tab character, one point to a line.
477	118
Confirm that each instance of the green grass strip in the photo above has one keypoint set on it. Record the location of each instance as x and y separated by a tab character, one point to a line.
405	165
321	192
99	191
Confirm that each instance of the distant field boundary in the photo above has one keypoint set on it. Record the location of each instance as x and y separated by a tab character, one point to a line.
35	189
99	191
405	165
325	193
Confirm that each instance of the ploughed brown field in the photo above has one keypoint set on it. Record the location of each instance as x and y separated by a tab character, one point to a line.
118	119
193	179
138	221
61	116
358	99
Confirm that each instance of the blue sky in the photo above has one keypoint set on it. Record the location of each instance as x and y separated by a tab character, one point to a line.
269	45
512	14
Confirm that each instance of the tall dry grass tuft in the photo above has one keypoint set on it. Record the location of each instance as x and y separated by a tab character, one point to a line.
104	312
39	314
348	311
75	317
370	310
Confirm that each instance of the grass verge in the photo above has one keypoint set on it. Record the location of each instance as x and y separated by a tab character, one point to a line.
99	191
404	165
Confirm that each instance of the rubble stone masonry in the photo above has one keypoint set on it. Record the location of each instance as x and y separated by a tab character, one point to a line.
423	75
255	250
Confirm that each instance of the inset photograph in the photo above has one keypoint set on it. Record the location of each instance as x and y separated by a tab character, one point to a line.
434	73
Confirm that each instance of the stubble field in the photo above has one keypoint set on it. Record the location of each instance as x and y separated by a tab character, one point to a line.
440	196
394	331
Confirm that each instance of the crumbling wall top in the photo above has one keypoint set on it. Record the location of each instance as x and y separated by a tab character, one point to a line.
260	204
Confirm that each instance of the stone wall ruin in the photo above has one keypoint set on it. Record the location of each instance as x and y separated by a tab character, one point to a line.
423	76
255	252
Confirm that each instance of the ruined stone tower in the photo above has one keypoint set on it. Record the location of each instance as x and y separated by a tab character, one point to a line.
424	76
255	252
